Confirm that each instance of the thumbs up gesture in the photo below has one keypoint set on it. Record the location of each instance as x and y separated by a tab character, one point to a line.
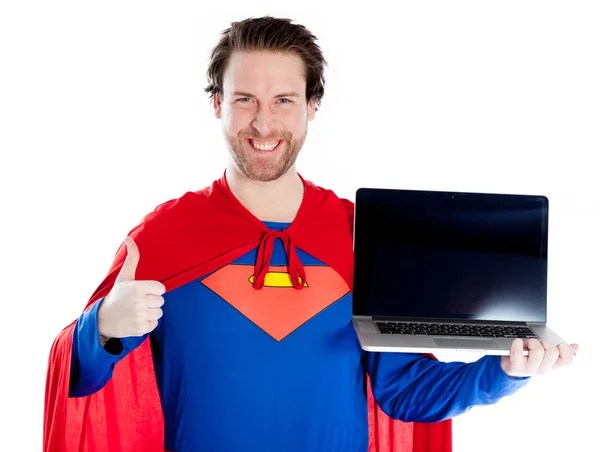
132	308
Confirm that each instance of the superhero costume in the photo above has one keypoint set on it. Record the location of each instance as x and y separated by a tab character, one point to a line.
288	360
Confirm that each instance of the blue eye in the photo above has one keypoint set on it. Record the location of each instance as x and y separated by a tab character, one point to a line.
248	99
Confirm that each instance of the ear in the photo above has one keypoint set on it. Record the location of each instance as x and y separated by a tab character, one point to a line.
217	106
312	107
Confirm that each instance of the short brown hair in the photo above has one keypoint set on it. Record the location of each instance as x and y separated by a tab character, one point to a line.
268	33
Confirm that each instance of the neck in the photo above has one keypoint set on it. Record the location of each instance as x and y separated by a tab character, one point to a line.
277	200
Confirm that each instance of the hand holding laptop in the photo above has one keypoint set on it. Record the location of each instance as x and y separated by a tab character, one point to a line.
461	271
543	357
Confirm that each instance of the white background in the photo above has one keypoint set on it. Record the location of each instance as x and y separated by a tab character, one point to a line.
103	117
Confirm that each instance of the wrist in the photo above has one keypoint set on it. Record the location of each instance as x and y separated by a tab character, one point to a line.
103	339
101	330
506	366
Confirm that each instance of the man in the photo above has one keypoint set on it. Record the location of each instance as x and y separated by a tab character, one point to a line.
224	321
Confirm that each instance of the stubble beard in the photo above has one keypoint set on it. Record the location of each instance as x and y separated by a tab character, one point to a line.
264	168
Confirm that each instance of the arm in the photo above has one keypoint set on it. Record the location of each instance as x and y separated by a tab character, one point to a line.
416	388
92	363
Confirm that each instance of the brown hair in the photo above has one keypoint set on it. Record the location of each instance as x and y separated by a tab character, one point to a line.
268	33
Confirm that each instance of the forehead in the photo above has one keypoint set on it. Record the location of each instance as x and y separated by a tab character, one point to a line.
263	72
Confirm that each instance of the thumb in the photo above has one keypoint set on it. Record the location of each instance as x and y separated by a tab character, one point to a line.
130	264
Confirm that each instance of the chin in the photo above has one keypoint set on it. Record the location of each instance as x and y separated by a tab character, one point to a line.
264	174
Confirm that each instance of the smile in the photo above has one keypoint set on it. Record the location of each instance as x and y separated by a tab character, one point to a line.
264	145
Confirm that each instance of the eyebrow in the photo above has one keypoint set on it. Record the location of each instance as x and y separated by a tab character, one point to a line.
289	94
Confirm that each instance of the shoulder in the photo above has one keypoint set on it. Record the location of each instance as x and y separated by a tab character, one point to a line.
329	194
329	198
175	207
174	214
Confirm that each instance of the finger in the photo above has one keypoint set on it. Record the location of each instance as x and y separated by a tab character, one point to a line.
150	287
517	358
152	324
154	314
154	301
535	356
130	264
565	355
550	356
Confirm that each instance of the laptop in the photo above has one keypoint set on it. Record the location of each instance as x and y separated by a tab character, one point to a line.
440	270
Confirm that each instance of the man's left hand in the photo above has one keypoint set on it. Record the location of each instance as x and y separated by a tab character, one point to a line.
543	357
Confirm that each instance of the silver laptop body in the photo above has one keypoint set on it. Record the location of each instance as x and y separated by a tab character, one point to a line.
449	270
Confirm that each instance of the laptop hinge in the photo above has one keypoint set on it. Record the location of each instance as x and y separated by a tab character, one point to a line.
436	320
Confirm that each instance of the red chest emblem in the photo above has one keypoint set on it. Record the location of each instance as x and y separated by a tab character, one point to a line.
278	309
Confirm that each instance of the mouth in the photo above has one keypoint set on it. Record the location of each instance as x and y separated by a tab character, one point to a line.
263	146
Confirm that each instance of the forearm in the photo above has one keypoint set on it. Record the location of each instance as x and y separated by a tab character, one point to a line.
94	357
426	390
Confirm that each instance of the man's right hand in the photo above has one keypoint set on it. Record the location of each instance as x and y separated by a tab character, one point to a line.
132	308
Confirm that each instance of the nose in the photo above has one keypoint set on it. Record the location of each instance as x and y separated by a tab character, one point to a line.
264	121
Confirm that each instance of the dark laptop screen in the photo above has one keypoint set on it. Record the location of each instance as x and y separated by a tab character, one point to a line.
450	255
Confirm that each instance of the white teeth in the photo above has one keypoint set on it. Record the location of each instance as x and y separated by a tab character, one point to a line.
265	147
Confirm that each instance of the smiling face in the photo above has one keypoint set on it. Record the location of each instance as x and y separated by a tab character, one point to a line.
264	112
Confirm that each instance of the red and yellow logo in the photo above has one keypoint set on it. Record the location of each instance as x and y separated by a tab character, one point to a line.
278	309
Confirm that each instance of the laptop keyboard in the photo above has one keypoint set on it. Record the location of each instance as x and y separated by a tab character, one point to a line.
449	329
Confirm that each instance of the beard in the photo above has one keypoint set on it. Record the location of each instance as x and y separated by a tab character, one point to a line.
269	166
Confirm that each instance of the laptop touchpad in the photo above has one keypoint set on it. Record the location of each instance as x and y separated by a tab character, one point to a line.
466	343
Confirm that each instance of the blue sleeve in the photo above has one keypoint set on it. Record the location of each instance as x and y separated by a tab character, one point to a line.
413	387
91	364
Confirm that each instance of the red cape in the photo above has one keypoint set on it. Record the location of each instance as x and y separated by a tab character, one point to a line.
181	240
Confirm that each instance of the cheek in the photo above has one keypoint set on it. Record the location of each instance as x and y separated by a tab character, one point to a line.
236	119
294	121
233	121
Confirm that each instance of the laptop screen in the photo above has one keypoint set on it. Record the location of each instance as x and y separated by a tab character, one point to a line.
444	255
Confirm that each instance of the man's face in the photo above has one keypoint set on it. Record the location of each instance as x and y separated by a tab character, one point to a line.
264	112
